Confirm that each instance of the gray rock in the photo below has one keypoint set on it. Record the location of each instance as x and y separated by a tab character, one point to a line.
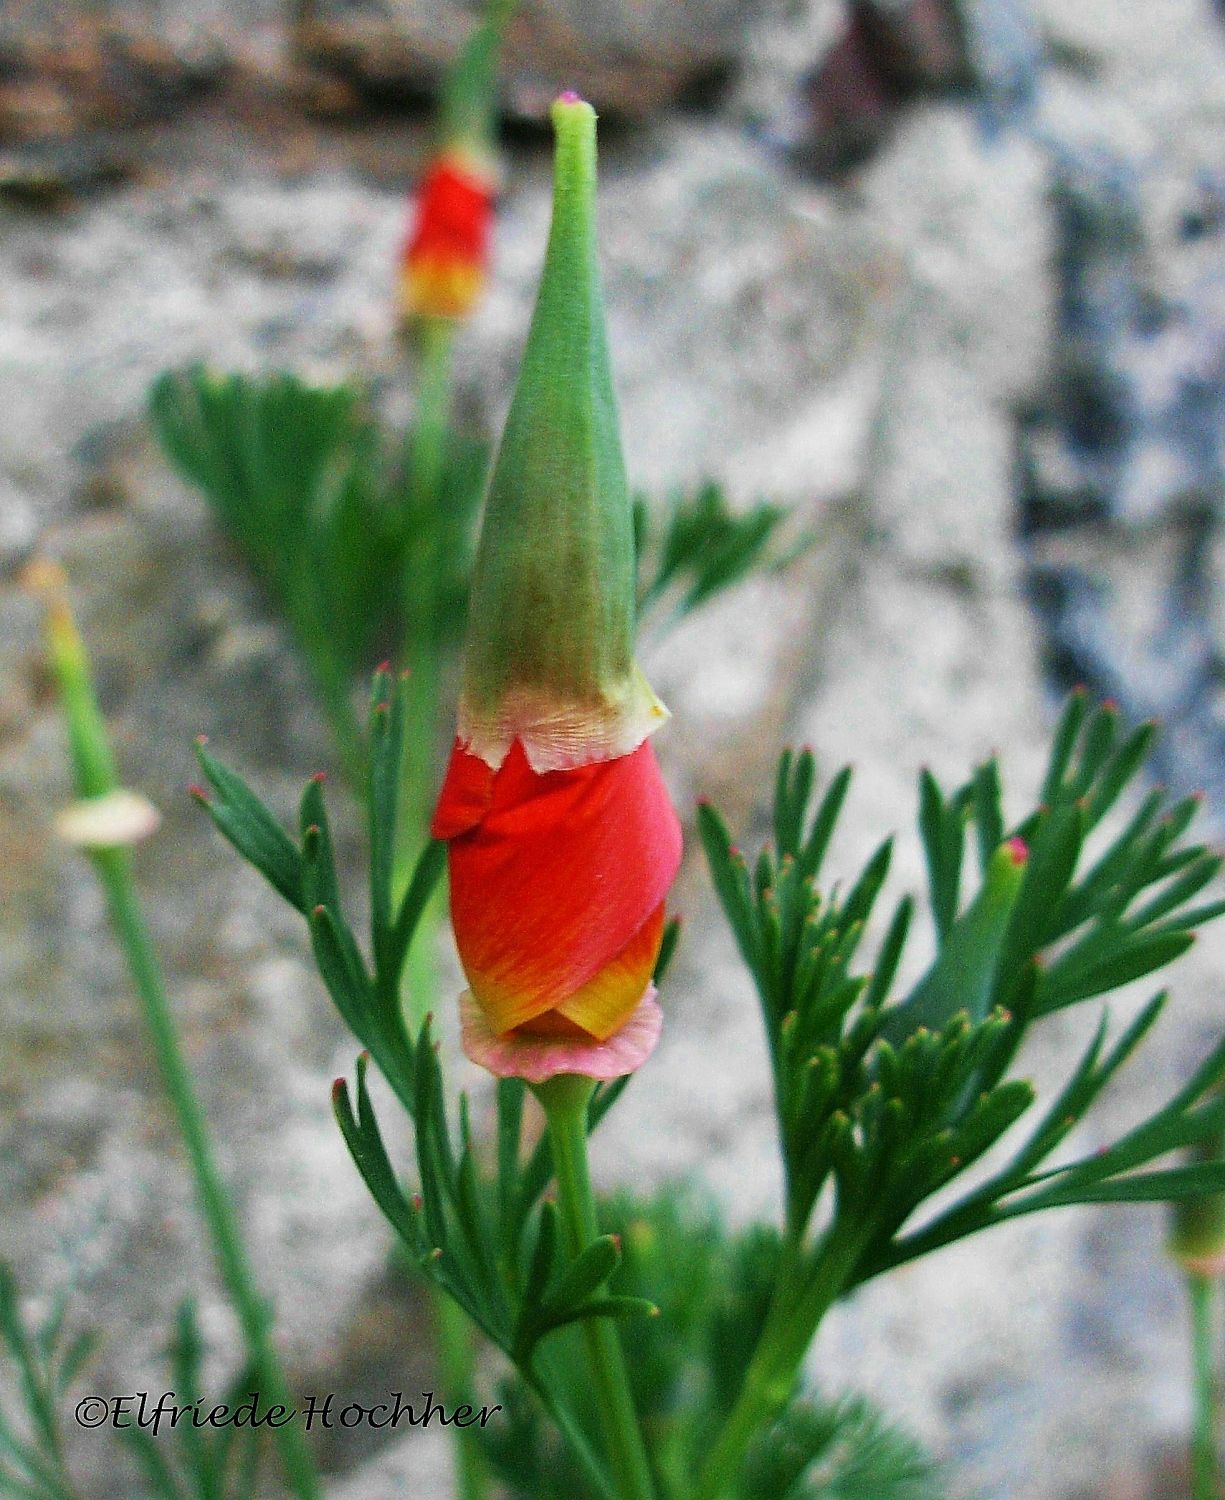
857	356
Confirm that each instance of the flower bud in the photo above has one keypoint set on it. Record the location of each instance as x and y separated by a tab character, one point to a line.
563	841
106	815
446	252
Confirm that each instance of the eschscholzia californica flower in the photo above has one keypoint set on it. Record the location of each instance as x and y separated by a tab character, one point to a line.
563	840
446	253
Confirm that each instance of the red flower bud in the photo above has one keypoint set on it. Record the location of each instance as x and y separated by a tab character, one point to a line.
563	842
447	249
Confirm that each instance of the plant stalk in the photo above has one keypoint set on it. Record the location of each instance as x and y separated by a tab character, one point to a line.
114	871
565	1101
426	466
1201	1292
426	458
804	1293
95	776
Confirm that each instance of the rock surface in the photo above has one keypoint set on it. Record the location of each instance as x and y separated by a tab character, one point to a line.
856	353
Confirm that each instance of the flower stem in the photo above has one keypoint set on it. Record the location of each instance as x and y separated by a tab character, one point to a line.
95	776
455	1359
426	457
426	466
565	1101
804	1293
1201	1291
114	872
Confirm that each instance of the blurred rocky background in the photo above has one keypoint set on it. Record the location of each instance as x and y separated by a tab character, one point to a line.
944	276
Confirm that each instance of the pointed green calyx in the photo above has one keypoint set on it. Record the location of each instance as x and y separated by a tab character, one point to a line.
551	623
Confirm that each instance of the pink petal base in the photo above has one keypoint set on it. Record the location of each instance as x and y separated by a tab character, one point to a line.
536	1058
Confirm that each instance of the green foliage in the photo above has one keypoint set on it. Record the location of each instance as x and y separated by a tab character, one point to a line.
700	547
46	1363
186	1462
837	1451
179	1462
892	1099
712	1289
293	472
317	498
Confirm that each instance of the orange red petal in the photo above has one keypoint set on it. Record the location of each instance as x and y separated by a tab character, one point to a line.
557	886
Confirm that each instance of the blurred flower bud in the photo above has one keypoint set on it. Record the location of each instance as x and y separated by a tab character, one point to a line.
447	250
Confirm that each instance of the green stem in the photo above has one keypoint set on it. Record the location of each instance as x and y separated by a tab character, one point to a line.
565	1101
1201	1292
804	1293
426	466
95	776
456	1367
426	459
572	1434
114	871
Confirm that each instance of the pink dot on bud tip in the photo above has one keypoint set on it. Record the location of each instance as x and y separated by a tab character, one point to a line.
1019	850
569	96
320	777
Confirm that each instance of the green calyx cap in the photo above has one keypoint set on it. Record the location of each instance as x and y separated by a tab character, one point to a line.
551	622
